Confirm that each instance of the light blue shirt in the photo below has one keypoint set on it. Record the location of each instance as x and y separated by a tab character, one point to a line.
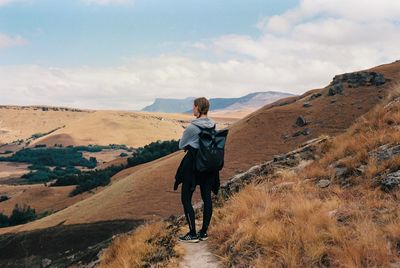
191	134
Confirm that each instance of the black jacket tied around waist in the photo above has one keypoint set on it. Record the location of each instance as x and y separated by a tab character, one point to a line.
187	173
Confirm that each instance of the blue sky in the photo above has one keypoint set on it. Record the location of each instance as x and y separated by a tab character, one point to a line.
71	33
122	54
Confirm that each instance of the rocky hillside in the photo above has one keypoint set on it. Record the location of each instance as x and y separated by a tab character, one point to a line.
329	110
337	208
333	202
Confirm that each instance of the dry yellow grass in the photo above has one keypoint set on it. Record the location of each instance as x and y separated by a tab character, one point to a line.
18	122
305	226
149	245
298	228
130	128
85	127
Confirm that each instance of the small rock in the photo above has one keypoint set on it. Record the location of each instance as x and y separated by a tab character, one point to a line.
303	132
301	121
335	89
46	262
306	131
306	104
315	95
332	213
390	181
323	183
341	172
280	157
361	169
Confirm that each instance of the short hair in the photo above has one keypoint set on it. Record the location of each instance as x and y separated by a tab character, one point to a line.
202	104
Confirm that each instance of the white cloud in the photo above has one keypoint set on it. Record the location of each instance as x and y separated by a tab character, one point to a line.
298	50
109	2
5	2
131	86
307	45
9	41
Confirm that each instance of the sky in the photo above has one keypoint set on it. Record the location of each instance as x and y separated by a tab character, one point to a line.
122	54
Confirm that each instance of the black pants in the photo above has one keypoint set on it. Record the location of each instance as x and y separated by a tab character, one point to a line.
186	198
205	181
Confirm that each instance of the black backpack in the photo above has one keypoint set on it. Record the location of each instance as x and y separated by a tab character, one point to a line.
210	155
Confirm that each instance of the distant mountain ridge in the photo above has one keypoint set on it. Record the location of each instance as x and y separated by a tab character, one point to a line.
167	105
249	101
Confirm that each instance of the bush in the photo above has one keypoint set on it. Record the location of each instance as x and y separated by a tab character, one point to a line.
92	179
44	174
40	145
123	154
37	135
21	215
4	220
153	151
60	157
4	198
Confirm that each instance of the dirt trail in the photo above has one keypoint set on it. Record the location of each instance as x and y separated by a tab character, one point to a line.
198	255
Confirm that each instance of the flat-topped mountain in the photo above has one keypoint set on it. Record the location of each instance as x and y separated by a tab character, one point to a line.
250	101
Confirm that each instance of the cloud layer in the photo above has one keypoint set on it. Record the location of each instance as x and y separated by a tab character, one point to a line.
9	41
302	48
109	2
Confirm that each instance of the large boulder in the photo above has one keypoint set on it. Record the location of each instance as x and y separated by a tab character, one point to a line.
355	80
358	79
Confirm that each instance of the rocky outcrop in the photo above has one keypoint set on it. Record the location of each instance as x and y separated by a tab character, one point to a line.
358	79
354	80
291	159
385	152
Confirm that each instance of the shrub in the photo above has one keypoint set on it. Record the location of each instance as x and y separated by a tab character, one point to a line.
153	151
4	220
4	198
92	179
21	215
60	157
